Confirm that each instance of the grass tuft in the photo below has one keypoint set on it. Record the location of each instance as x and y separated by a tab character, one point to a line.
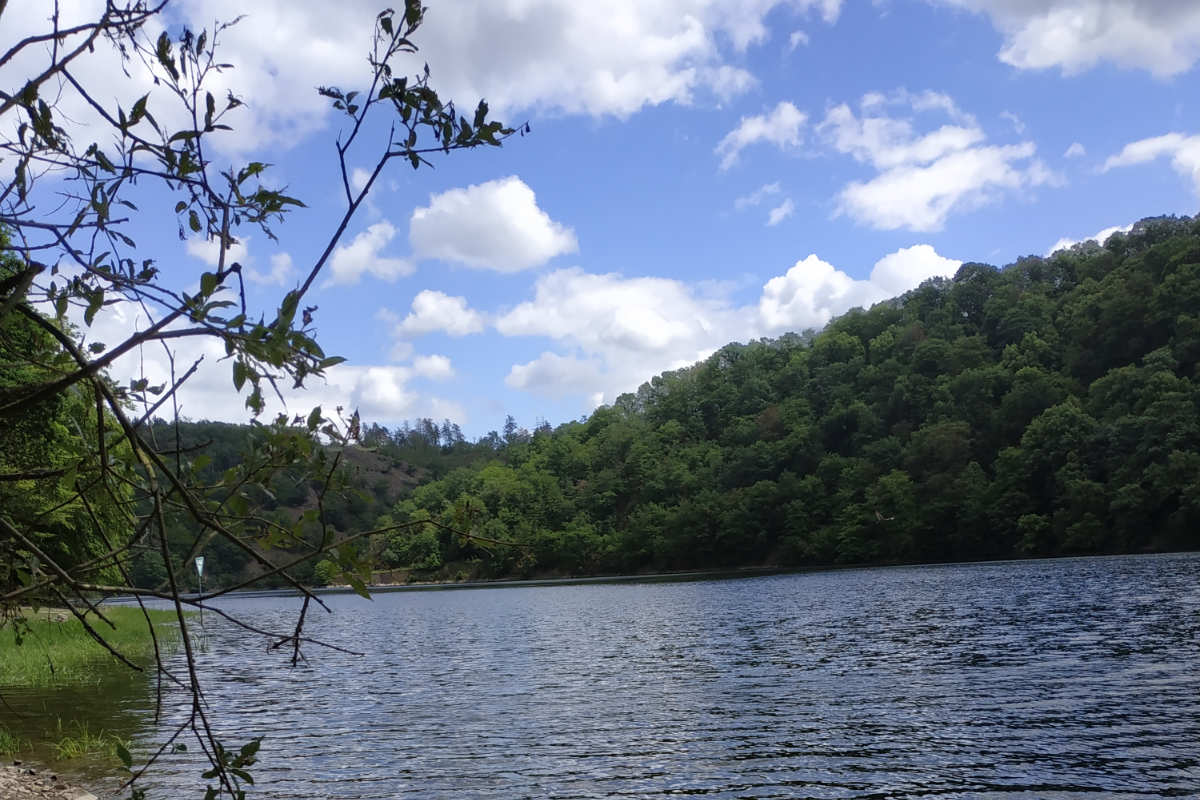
53	649
80	742
10	743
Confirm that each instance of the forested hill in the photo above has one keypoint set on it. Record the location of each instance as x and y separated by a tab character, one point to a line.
1049	407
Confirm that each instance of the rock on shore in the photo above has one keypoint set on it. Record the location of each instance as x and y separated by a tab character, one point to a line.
25	783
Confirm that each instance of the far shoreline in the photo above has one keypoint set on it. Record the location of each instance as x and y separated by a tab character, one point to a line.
649	577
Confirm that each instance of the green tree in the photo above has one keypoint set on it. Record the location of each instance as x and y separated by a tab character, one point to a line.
70	253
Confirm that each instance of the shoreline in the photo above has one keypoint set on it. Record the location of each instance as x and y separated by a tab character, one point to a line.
20	781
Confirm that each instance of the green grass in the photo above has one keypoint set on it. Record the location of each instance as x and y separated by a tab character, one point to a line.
10	743
51	652
80	742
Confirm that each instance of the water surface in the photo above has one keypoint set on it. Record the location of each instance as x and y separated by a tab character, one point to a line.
1051	679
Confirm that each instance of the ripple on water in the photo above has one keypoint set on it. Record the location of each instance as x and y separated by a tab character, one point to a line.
1050	679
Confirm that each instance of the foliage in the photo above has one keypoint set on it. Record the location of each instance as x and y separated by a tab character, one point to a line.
94	498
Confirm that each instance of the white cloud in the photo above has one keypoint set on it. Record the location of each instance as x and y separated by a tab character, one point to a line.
380	393
886	141
1017	123
281	270
209	251
780	212
757	196
923	177
920	198
1161	36
436	311
796	39
1184	152
780	127
359	178
1100	238
495	225
1076	150
434	367
900	271
554	375
551	55
362	257
599	59
614	332
810	294
727	82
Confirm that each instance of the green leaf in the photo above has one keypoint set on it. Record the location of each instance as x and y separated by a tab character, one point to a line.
194	221
360	588
314	418
123	754
208	283
94	304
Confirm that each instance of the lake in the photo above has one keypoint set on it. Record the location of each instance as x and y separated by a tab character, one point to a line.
1043	679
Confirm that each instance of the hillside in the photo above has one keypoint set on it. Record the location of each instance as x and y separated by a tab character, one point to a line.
1046	408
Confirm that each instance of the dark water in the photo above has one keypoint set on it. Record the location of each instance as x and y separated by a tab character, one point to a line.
1050	679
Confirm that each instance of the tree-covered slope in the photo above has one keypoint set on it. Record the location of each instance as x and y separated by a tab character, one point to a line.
1050	407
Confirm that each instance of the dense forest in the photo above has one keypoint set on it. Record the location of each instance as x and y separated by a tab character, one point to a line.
1047	408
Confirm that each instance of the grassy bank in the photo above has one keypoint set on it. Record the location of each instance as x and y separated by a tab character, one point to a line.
55	649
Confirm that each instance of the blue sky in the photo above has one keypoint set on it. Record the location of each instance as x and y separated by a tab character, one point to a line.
697	172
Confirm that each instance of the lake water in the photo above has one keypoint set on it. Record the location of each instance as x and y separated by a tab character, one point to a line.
1050	679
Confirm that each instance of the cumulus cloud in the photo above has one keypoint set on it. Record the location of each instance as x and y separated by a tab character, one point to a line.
780	212
436	311
554	375
780	127
362	257
495	225
1162	37
796	39
380	393
615	332
281	270
884	141
923	177
1184	152
434	367
921	197
555	55
1076	150
810	294
209	250
615	58
900	271
359	178
1100	238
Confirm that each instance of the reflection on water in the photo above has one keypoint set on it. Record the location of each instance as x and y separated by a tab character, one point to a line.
1051	679
115	705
